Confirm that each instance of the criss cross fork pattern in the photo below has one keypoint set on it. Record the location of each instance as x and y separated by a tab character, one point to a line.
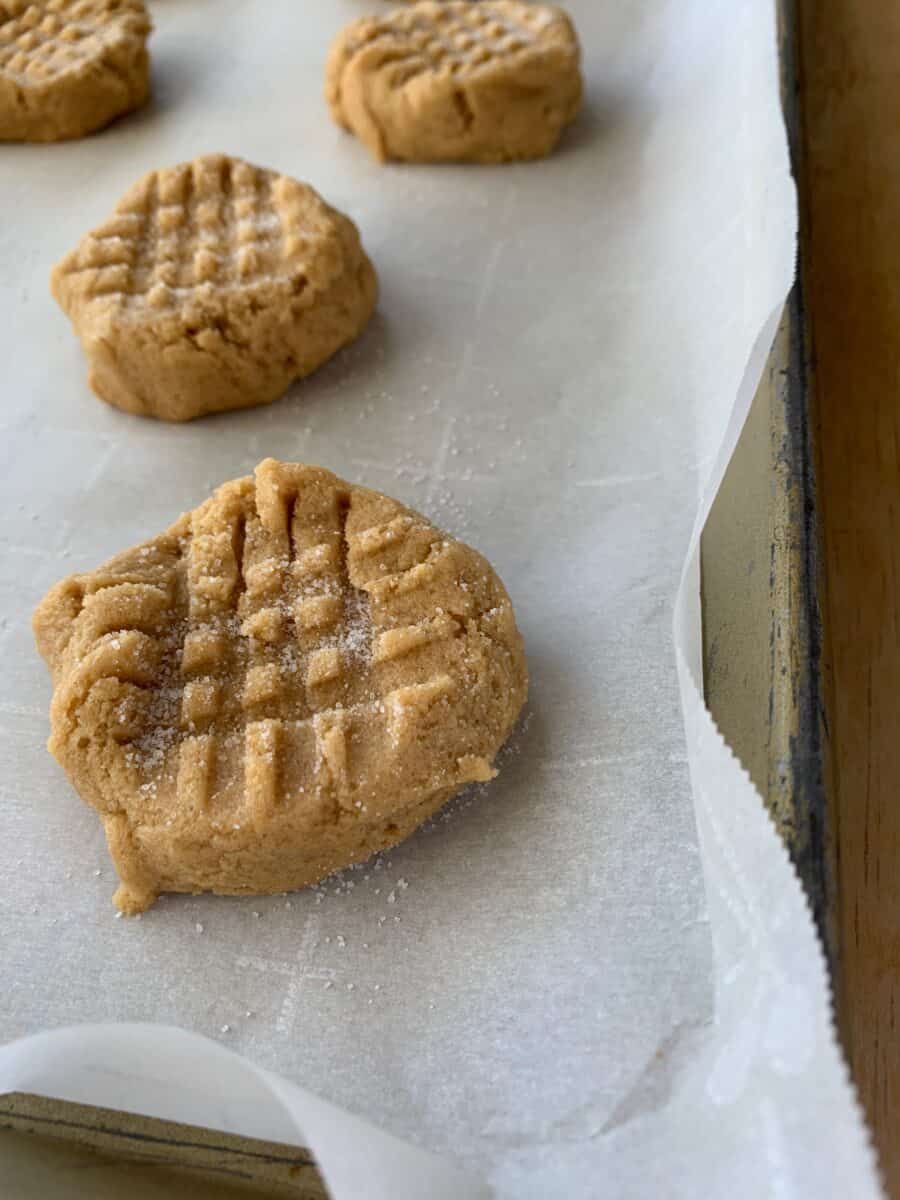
455	36
40	42
202	227
274	661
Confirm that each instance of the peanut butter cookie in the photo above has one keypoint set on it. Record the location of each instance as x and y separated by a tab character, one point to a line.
293	676
435	82
212	286
68	67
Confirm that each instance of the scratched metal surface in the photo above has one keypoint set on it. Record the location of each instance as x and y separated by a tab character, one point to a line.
762	625
47	1145
763	586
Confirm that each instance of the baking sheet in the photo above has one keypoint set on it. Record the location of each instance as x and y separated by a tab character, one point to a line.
528	984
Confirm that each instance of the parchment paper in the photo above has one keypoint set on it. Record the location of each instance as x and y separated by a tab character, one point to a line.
538	985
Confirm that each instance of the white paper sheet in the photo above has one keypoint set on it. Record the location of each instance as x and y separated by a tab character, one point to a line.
538	985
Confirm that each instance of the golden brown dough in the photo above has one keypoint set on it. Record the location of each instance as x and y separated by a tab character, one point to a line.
434	82
68	67
212	286
293	676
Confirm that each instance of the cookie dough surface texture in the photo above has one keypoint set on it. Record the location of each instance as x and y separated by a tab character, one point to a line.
213	286
68	67
435	82
293	676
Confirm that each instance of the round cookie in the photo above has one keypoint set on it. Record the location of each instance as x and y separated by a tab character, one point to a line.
293	676
213	286
441	82
68	67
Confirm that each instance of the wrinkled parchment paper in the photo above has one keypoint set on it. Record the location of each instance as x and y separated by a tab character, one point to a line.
558	984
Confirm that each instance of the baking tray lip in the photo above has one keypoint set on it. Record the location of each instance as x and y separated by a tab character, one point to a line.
135	1140
811	838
